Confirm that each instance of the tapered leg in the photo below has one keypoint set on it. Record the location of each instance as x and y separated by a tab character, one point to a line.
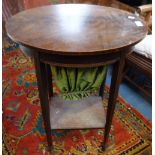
43	93
101	91
115	81
49	80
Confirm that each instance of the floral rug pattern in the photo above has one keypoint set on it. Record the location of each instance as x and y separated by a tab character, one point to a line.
23	129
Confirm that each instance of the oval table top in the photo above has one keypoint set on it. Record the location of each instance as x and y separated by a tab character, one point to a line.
76	29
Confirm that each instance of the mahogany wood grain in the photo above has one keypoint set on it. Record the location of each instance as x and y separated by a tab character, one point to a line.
76	35
114	87
43	94
49	80
75	29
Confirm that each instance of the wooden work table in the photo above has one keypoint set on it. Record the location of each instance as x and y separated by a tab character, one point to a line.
76	35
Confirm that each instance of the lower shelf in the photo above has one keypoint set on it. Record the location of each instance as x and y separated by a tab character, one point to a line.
86	113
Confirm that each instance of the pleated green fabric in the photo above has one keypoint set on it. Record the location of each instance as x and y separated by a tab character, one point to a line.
77	83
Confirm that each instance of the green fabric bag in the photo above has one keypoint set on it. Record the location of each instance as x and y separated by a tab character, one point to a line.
77	83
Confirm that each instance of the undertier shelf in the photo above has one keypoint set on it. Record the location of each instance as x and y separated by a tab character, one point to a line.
82	114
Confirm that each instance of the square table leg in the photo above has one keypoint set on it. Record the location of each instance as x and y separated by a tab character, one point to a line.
42	79
114	87
49	80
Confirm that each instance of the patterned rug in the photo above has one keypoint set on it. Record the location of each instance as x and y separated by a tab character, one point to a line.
23	129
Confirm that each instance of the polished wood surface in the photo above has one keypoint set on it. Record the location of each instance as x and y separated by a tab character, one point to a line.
75	29
42	81
76	36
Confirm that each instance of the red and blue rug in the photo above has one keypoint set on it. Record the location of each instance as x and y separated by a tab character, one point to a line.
23	129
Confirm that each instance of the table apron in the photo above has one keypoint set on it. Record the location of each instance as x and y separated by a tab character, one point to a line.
76	60
79	61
